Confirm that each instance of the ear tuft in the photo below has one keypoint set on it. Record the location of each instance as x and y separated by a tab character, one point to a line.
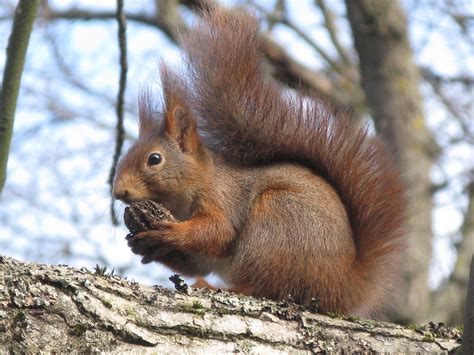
147	110
180	125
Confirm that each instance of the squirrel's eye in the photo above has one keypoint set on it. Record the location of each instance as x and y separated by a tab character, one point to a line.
154	159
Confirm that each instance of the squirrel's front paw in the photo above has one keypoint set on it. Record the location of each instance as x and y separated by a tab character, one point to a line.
162	254
161	236
149	247
150	226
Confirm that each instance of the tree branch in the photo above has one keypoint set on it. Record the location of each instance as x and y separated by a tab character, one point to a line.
16	52
288	70
120	131
57	308
331	28
283	19
76	14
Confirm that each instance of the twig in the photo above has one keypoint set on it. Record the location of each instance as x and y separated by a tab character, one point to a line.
73	14
460	116
68	73
331	28
16	52
430	75
120	99
284	20
293	72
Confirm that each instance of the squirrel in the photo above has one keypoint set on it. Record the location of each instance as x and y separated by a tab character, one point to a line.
276	192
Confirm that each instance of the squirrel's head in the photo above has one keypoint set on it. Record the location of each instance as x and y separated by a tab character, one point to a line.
168	163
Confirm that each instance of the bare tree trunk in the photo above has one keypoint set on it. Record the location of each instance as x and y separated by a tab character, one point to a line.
60	309
390	80
448	300
468	336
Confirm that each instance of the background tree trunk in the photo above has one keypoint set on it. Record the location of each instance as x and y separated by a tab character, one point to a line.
448	300
57	308
391	83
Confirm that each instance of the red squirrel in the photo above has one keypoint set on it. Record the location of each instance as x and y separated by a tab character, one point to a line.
275	192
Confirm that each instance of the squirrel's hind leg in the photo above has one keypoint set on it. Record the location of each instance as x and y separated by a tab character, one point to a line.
276	256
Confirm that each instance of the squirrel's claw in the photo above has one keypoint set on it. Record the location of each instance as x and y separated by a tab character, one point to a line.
143	241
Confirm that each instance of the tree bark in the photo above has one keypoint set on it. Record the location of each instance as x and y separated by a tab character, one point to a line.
448	300
468	336
58	308
391	83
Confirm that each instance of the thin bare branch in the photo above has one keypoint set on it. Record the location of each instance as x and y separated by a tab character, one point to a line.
283	19
122	27
431	76
76	14
330	25
294	74
288	69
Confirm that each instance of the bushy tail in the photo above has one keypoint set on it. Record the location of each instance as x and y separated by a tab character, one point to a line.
249	119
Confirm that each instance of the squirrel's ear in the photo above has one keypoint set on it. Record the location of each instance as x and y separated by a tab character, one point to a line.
180	126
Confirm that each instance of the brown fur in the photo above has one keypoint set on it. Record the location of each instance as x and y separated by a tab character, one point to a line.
278	193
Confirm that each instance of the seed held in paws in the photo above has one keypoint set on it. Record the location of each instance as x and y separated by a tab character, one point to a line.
135	220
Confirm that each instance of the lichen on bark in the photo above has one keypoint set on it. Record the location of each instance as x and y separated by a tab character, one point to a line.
58	308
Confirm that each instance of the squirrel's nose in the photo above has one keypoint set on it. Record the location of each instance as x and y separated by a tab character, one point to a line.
120	193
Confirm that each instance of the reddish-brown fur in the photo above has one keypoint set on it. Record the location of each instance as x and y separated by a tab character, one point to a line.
277	193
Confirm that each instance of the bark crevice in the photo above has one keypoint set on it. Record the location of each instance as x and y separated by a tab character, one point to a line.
58	308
